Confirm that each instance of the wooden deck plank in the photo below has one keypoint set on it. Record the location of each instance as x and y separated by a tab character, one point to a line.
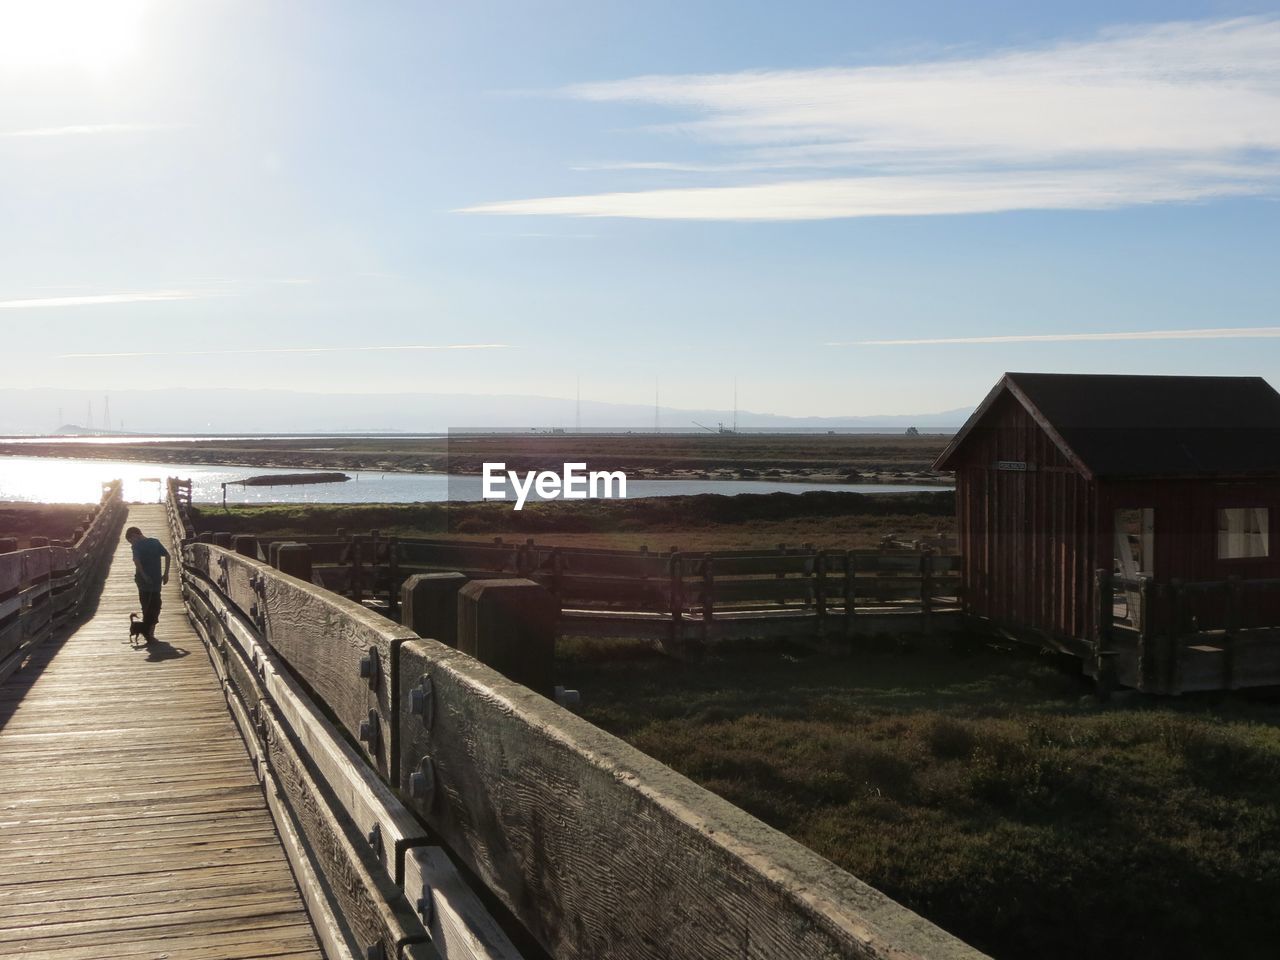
132	824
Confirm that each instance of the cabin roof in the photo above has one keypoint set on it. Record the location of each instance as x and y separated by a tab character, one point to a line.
1140	426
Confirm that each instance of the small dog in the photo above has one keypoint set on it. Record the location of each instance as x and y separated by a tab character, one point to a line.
137	630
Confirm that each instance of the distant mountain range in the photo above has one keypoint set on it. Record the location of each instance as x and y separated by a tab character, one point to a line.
222	411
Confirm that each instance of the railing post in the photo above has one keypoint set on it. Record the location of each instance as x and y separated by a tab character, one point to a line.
429	605
393	577
356	587
1103	648
677	598
9	544
511	626
245	545
223	540
295	560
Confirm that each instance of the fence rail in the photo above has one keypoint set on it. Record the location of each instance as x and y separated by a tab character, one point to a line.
44	587
393	755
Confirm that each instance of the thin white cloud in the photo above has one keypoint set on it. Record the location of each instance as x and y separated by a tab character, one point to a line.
253	350
1206	333
88	129
102	298
1161	113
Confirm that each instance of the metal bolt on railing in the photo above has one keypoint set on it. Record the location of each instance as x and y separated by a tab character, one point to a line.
420	700
369	667
422	782
426	906
369	731
374	836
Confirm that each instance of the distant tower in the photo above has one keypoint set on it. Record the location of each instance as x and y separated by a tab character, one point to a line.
106	414
89	422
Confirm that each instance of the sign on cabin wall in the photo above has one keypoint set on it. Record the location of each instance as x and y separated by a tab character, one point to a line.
1017	466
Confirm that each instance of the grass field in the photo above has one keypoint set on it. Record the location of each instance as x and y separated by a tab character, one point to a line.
986	790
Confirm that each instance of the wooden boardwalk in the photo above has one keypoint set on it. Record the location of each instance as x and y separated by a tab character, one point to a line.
131	821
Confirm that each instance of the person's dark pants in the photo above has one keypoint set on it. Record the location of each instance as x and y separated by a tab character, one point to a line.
150	600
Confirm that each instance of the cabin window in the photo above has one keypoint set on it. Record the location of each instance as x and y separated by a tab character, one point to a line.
1242	532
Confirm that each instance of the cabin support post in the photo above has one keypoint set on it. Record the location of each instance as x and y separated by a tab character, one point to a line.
1103	646
1230	637
429	605
510	625
1146	621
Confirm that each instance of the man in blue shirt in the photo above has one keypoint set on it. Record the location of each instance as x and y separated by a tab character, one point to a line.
147	553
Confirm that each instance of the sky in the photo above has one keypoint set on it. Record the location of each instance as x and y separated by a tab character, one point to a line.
845	208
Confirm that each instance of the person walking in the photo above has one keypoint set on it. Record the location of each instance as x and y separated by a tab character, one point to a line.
147	553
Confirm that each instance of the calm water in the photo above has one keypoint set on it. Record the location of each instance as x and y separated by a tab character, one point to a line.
57	480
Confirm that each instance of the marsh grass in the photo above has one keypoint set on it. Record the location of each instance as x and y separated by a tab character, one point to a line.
988	791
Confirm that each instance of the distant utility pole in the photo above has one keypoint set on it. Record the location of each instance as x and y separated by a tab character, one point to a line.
89	422
106	414
657	425
577	408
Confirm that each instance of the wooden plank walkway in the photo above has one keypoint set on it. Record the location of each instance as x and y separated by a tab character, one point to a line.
131	822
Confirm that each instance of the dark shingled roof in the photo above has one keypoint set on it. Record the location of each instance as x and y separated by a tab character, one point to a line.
1149	426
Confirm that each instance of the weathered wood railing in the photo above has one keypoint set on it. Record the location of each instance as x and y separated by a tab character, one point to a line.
390	756
678	597
1177	636
44	587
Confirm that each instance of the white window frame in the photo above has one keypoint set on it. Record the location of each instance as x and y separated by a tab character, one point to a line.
1244	533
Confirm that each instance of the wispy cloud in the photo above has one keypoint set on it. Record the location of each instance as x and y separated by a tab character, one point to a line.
1166	113
259	350
88	129
1205	333
103	298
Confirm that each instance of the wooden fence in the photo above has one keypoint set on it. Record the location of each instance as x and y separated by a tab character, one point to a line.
679	597
391	756
45	586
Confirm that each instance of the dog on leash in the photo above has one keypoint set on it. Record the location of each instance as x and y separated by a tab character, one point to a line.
137	631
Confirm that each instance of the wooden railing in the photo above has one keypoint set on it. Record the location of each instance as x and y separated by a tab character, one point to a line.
45	586
1177	636
389	757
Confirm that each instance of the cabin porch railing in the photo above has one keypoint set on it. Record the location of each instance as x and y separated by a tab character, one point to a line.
1192	635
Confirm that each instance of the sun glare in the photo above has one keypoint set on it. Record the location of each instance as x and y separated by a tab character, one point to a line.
89	34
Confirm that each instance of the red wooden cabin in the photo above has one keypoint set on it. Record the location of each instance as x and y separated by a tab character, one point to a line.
1171	484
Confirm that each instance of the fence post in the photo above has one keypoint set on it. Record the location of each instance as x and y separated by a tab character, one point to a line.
677	598
850	593
708	596
926	588
820	590
355	586
393	577
429	605
511	626
1103	648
